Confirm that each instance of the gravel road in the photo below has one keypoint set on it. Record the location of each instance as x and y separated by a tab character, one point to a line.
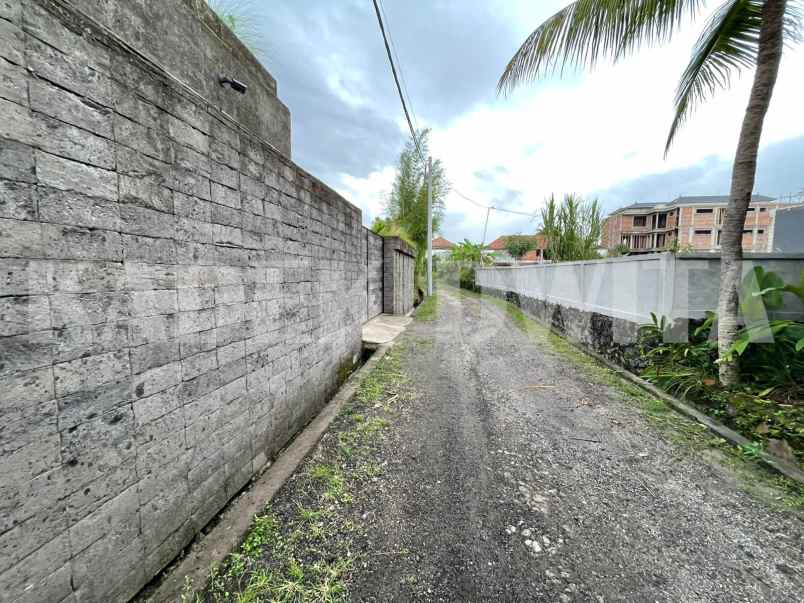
513	475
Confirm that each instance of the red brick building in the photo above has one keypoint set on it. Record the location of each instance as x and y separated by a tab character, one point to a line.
689	221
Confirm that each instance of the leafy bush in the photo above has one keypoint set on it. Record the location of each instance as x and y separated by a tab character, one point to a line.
466	278
519	245
769	404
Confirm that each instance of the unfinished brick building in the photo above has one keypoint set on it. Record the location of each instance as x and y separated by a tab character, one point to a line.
685	222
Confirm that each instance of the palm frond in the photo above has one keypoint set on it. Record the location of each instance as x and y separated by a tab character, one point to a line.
728	44
587	31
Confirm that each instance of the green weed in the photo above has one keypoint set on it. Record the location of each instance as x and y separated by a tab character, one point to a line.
428	309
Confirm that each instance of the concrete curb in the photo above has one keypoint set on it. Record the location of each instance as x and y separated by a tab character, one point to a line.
236	518
773	462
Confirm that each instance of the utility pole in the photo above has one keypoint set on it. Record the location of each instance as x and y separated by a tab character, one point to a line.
485	228
429	226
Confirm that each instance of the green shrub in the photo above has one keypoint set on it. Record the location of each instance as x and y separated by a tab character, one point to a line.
466	278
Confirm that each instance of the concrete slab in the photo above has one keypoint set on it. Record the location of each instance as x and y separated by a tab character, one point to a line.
384	329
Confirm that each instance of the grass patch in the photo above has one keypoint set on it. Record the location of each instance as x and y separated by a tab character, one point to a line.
428	309
754	477
301	547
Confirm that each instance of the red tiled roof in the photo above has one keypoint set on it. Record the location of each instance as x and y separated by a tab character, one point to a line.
442	243
498	244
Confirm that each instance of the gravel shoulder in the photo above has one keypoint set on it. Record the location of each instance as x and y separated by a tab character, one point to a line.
501	465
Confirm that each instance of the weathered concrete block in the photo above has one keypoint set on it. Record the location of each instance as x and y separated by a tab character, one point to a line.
88	373
68	175
144	276
196	298
148	141
148	250
76	209
65	140
150	303
23	314
157	379
152	355
70	108
26	582
224	195
89	308
79	243
194	343
83	406
23	352
20	239
11	42
198	364
88	340
16	164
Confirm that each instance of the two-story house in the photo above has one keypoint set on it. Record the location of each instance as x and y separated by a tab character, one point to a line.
686	222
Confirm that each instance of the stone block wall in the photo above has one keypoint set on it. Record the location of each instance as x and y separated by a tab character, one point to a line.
177	299
398	276
374	278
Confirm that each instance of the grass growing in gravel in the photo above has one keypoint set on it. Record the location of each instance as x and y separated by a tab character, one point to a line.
754	477
301	548
428	309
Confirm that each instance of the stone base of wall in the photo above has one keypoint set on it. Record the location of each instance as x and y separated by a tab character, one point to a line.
613	338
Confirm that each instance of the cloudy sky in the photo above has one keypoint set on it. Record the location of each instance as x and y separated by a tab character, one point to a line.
599	134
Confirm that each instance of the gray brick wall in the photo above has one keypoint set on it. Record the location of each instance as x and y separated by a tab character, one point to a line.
176	300
398	276
374	277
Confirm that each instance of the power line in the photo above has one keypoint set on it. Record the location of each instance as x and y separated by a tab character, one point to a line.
385	38
492	207
396	79
399	64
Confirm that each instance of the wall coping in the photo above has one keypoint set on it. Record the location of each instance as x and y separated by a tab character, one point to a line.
647	257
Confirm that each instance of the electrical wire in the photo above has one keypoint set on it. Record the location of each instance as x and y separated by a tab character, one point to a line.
396	80
386	36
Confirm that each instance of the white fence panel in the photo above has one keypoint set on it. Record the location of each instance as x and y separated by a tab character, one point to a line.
676	286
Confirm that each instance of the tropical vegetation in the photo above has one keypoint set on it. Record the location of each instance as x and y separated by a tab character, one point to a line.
571	228
768	406
740	34
519	245
459	267
406	208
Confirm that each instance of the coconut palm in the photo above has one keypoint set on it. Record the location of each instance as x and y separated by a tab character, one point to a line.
740	34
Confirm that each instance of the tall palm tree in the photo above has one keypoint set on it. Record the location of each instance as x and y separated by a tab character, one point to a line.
740	34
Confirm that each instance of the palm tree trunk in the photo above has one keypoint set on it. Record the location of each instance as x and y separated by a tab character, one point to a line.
769	56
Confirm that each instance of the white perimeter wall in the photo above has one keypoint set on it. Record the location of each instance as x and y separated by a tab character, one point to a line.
630	288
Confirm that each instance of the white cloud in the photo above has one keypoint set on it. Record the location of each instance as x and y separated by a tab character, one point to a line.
586	134
369	193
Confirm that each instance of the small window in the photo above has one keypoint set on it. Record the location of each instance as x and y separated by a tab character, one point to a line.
703	210
759	232
751	208
718	238
703	232
748	231
761	209
640	220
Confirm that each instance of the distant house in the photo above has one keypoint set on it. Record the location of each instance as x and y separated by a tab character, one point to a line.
687	222
501	256
442	246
